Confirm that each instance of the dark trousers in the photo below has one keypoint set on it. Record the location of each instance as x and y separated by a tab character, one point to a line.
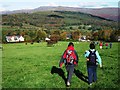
92	74
70	70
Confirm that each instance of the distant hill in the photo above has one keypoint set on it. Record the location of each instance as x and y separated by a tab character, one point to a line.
108	13
33	24
57	19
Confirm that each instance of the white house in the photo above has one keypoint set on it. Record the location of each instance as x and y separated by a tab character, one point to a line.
47	39
14	38
21	38
83	38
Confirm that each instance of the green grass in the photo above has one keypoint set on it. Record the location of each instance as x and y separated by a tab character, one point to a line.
29	66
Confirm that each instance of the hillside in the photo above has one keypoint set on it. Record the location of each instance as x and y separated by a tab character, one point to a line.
38	25
109	13
57	19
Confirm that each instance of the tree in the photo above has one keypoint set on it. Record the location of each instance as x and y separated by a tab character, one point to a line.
40	35
95	36
114	35
63	36
104	35
84	27
79	27
57	32
54	38
27	38
88	35
101	35
71	27
75	35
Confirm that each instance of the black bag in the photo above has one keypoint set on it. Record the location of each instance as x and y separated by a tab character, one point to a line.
92	58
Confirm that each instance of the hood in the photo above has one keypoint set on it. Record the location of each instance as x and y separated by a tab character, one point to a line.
70	48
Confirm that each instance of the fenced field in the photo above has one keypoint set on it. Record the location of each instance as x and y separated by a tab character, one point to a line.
29	66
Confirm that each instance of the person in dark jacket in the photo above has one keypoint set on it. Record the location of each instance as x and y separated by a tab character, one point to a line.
70	59
93	59
110	44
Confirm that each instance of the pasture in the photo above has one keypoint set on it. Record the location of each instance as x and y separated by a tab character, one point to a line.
29	66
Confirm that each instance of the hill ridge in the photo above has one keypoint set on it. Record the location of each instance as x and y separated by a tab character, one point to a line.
108	13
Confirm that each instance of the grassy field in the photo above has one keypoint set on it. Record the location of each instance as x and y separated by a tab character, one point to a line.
29	66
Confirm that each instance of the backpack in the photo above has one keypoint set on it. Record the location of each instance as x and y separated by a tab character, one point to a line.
92	58
70	56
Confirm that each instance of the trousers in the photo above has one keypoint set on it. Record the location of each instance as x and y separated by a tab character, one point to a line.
92	73
70	71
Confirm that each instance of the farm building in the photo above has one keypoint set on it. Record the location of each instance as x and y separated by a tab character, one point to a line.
82	38
14	38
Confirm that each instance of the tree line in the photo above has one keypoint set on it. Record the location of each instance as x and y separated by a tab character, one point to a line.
62	35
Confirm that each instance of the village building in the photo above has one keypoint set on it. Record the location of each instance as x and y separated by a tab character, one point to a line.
14	38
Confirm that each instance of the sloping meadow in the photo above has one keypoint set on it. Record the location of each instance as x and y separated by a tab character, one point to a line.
29	66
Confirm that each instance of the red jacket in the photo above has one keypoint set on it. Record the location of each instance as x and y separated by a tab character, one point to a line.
101	44
65	54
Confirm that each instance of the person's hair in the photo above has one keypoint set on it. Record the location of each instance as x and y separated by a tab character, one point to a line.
92	46
70	44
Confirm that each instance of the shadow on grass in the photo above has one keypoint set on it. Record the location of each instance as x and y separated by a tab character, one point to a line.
80	75
60	72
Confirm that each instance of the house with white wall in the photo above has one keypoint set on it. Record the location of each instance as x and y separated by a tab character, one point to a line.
14	38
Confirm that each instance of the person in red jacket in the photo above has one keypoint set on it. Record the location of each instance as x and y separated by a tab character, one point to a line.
101	44
106	45
70	59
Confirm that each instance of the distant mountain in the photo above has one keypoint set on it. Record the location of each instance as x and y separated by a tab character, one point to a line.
108	13
17	11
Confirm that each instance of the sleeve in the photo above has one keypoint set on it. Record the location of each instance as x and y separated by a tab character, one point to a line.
62	59
76	57
98	58
86	54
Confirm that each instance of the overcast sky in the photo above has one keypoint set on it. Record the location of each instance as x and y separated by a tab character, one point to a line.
10	5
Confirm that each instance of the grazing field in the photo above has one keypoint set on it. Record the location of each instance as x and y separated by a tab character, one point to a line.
29	66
